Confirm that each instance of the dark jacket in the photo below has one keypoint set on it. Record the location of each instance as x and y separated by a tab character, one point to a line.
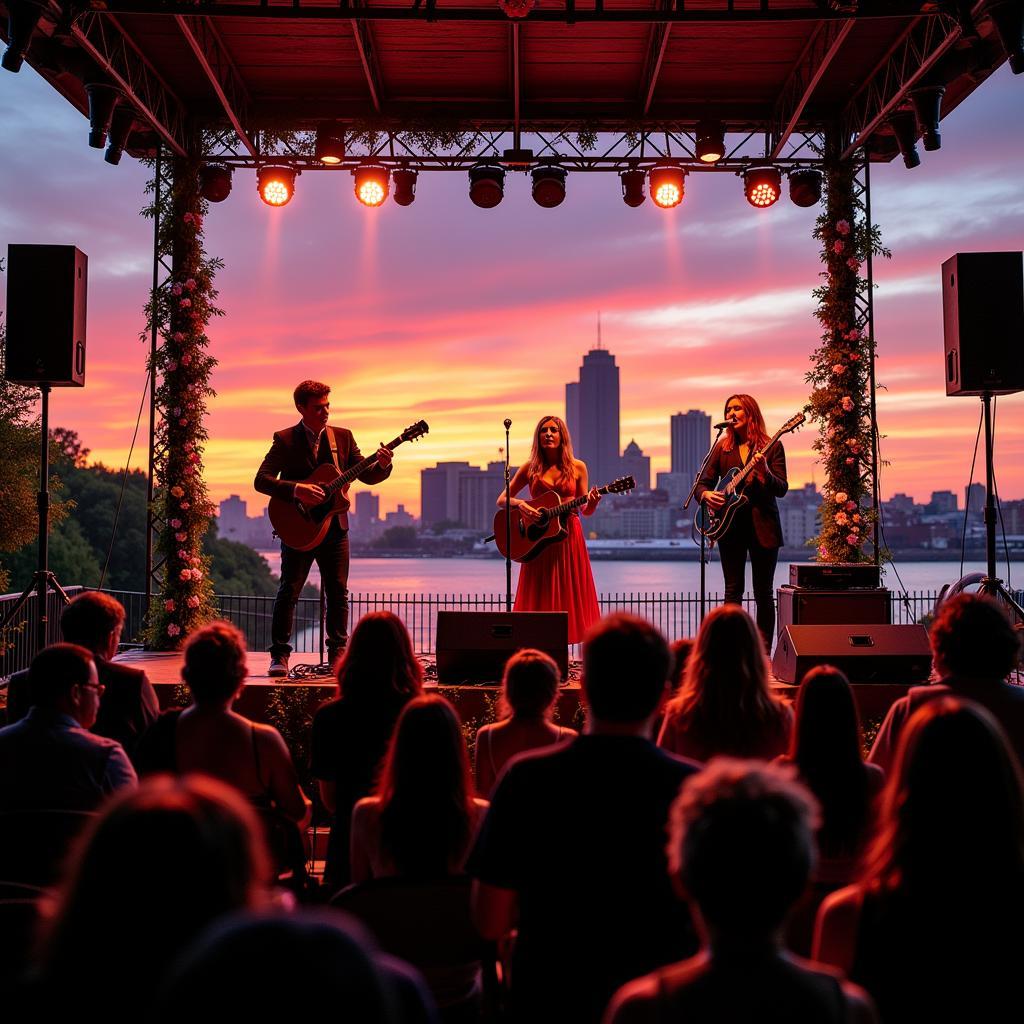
763	509
291	460
128	705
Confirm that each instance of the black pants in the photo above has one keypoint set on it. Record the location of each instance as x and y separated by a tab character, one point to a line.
331	555
733	549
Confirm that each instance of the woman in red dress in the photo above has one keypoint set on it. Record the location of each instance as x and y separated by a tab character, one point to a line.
559	578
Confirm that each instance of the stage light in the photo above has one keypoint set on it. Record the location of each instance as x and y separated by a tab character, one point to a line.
120	129
371	184
486	185
668	185
405	186
805	186
330	144
276	184
710	142
102	100
927	100
904	127
633	187
549	185
215	182
1008	18
762	186
22	18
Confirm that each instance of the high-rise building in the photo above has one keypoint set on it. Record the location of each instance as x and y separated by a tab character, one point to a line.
478	491
637	465
594	405
439	492
691	438
233	521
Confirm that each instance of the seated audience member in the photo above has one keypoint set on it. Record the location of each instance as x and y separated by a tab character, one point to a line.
128	704
424	816
211	738
377	676
49	759
724	705
156	868
932	929
826	752
342	978
974	649
529	689
572	849
741	847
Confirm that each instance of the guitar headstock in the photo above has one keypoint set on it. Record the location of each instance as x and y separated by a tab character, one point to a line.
415	431
624	483
793	422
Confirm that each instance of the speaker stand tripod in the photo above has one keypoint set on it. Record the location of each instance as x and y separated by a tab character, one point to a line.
42	580
991	584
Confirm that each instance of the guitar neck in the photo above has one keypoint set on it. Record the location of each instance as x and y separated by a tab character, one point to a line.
573	503
359	468
741	477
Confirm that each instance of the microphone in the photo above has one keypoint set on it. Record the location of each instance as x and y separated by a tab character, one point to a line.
724	424
508	423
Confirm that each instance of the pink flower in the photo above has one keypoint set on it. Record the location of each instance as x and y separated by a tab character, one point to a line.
173	629
178	337
838	246
195	560
177	492
839	368
185	506
188	218
854	264
850	506
197	574
841	518
193	457
192	602
823	551
850	461
172	366
181	537
186	303
843	227
176	288
841	497
856	518
183	554
847	404
185	575
854	357
169	606
186	359
854	334
190	284
854	529
183	422
175	523
852	538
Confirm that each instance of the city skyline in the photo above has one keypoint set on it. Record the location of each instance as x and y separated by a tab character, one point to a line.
464	316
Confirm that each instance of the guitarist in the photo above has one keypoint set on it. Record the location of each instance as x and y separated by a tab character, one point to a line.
757	527
294	455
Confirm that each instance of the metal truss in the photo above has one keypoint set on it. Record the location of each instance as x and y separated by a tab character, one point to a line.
923	44
162	273
104	40
724	11
605	152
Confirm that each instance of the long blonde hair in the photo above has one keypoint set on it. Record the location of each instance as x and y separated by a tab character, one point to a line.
566	460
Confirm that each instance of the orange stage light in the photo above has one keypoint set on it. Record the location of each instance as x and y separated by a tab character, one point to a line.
276	185
762	186
668	185
371	184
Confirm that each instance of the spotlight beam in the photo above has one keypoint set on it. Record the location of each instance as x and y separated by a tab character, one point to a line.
220	71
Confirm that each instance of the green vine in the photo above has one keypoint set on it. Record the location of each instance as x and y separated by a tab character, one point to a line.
181	310
839	377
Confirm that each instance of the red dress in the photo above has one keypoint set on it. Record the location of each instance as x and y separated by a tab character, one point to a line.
559	579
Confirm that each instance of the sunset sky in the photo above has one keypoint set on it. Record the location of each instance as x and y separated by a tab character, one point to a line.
463	316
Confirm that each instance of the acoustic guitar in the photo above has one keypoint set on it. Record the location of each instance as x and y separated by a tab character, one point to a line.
303	526
530	539
714	523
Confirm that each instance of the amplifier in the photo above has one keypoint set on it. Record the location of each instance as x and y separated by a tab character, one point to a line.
867	654
834	575
472	647
801	606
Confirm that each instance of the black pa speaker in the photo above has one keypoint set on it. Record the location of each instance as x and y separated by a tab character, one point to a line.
472	647
799	607
983	323
866	653
46	315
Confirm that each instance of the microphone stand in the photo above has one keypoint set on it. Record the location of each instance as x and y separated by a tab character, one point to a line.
508	522
703	539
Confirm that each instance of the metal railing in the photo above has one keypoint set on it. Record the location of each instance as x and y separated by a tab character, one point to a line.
675	614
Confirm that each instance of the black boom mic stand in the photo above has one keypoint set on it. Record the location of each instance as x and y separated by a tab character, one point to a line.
508	522
703	539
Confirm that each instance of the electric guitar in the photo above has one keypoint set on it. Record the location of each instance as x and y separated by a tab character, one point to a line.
714	523
529	539
303	526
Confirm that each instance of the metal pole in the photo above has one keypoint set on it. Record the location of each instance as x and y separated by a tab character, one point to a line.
875	495
43	503
990	498
508	522
153	337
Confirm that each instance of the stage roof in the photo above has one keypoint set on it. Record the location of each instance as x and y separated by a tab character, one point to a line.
775	68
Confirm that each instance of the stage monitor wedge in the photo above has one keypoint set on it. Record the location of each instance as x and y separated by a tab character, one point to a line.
472	647
46	309
983	323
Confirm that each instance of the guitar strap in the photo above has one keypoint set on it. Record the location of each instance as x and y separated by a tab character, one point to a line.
332	440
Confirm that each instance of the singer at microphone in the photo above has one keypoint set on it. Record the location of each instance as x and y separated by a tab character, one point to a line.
723	424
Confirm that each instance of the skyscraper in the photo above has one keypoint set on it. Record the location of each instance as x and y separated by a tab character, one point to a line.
595	434
691	438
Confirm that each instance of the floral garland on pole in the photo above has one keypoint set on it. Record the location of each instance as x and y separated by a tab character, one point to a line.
182	309
840	377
